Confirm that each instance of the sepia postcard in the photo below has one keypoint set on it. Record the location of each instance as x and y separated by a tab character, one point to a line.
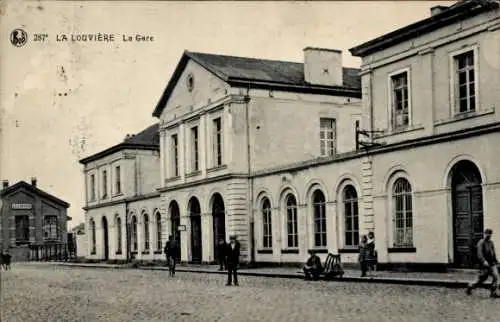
249	160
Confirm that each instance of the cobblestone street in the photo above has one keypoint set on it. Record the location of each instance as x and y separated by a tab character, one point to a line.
32	292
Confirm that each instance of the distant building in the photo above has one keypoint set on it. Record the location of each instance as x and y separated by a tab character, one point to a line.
31	218
79	229
122	217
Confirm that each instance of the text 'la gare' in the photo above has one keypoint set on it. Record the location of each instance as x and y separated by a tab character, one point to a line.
102	37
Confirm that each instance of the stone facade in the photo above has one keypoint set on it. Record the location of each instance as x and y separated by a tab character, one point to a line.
291	157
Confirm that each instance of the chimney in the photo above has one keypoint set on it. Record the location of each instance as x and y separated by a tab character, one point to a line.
323	66
437	10
33	181
5	184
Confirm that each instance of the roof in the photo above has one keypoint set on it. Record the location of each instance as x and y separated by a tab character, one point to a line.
33	189
147	139
260	73
459	11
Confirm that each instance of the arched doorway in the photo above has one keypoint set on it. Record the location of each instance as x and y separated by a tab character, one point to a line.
105	237
175	221
468	222
219	221
196	242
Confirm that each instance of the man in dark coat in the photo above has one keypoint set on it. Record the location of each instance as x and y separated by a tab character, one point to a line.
172	253
233	260
488	264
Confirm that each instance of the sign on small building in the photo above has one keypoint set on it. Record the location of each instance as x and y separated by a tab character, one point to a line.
22	206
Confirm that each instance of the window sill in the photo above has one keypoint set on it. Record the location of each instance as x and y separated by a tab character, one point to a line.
93	253
145	252
319	250
193	174
349	250
264	251
133	252
104	197
118	253
118	194
172	179
158	252
402	130
22	242
289	251
402	250
465	116
217	168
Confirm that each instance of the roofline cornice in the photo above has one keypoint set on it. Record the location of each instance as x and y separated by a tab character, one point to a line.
117	148
447	17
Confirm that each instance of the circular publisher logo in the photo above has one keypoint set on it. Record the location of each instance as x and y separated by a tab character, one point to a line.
18	37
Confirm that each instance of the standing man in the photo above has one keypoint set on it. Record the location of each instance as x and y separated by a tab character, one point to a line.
233	260
488	261
172	253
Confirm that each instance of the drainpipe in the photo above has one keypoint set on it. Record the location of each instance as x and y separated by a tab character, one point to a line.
127	231
251	188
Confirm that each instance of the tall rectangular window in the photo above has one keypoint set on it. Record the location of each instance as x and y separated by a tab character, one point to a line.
465	85
104	184
194	149
118	182
175	155
22	228
50	228
400	100
92	187
327	136
217	141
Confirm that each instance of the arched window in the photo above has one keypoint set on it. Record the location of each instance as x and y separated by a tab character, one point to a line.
319	219
134	234
267	230
402	213
291	218
146	232
93	241
158	231
351	217
118	235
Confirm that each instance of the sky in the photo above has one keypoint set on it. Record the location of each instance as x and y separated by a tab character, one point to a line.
61	100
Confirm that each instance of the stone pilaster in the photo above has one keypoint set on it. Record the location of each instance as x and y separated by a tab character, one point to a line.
368	221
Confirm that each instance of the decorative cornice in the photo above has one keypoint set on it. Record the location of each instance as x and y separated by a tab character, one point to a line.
120	201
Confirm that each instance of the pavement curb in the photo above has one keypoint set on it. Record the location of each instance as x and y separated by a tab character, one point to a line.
377	280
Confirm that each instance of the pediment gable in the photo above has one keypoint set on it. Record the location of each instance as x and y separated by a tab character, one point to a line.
195	87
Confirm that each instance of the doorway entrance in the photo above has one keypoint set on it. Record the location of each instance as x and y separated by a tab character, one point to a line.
105	237
219	221
468	221
196	241
175	222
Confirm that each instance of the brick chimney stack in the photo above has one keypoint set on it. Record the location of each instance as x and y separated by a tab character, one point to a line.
5	184
33	181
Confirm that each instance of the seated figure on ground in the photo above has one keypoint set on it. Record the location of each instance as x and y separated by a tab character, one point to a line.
313	268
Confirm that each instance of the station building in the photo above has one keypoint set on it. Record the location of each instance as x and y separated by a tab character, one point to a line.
294	156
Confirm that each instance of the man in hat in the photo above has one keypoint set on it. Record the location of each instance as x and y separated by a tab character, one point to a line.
233	260
488	264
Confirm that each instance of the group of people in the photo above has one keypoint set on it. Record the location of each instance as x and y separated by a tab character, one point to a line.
367	259
228	257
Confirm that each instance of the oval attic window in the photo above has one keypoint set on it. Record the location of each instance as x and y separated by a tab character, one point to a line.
190	82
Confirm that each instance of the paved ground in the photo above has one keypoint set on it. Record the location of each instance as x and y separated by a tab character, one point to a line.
33	292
